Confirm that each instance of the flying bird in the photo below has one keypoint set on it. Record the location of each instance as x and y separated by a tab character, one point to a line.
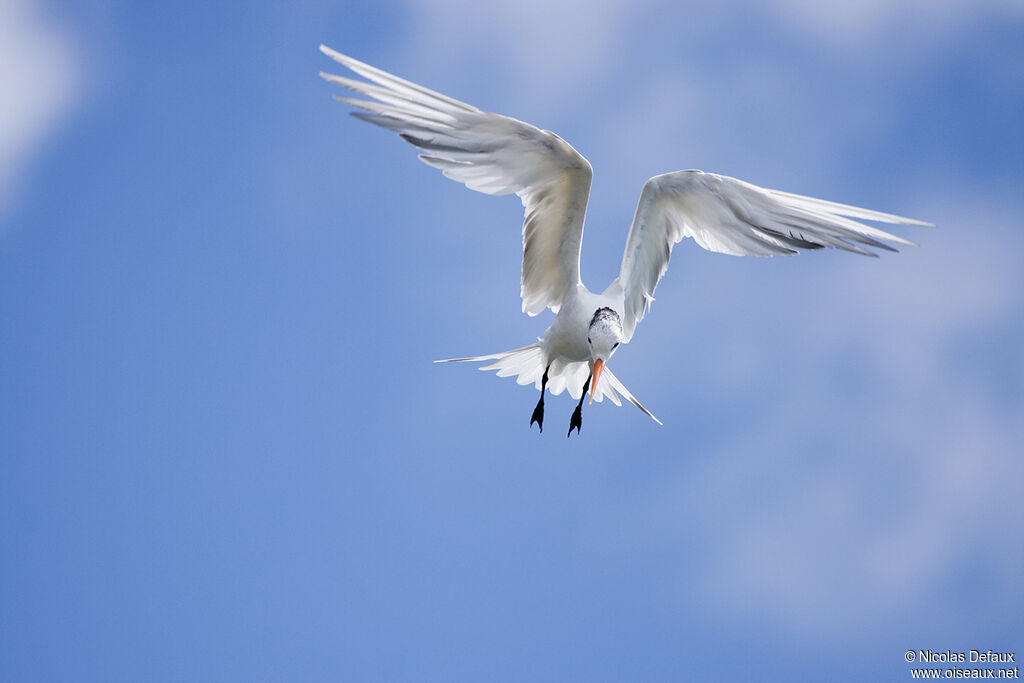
499	155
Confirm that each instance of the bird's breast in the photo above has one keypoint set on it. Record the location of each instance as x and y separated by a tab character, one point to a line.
567	336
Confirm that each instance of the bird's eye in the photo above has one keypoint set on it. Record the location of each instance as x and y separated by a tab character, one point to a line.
615	346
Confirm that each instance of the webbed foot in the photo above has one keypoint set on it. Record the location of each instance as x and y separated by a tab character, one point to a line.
538	414
576	421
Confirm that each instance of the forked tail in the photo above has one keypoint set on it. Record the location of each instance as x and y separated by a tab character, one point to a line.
527	365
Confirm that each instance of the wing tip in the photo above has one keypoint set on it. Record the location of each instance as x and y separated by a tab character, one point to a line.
914	221
335	55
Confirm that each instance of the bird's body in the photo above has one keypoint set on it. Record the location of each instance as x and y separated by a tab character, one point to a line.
566	338
496	154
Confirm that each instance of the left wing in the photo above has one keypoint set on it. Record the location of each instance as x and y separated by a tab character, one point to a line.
492	154
733	217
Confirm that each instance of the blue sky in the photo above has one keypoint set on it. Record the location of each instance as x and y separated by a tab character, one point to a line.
225	454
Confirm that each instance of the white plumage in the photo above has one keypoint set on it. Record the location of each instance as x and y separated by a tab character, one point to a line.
499	155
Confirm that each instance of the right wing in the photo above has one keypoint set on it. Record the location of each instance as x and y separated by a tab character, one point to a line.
733	217
496	155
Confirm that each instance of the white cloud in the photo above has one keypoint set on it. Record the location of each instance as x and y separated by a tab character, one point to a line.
539	44
846	23
547	47
39	85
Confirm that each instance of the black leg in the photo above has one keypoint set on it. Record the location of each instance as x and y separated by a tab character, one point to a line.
538	412
576	421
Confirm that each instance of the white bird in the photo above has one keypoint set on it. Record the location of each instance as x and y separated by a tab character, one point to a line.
499	155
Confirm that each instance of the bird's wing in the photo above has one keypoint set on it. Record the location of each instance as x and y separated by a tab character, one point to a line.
733	217
493	154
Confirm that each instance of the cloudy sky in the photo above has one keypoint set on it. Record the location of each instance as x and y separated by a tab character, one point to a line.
225	454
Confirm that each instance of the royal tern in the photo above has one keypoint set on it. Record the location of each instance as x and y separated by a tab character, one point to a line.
498	155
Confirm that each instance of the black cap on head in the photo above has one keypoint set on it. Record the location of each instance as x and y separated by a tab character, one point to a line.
605	314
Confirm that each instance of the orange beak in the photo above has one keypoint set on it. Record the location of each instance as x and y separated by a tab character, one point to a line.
598	367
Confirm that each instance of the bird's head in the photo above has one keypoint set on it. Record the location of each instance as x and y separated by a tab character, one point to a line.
604	336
